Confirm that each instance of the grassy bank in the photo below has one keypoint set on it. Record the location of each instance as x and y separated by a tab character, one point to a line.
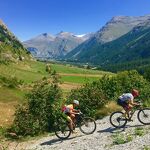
29	71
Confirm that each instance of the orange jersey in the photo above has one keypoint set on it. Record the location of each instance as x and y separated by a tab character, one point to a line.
68	108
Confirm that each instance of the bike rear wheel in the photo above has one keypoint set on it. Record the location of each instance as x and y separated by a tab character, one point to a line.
87	125
117	119
62	129
144	116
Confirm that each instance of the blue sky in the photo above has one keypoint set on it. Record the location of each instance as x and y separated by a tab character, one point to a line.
28	18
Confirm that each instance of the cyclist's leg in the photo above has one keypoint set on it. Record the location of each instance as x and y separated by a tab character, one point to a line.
68	119
127	109
71	124
73	118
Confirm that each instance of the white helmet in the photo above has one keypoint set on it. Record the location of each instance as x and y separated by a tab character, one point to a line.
76	102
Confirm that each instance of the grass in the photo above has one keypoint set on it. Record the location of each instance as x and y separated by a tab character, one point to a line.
139	131
6	112
146	148
78	79
119	138
9	95
108	109
72	69
30	71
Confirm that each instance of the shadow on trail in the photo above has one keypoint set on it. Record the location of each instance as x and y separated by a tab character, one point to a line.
113	129
132	126
58	141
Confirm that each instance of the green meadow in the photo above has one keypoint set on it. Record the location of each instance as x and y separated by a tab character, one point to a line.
30	71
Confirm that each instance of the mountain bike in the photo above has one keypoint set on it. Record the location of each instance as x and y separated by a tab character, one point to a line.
118	119
87	125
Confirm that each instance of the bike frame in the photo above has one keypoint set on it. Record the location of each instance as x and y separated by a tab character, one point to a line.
134	110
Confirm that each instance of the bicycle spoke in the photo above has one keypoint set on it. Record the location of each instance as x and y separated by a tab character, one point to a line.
88	125
144	116
62	130
117	119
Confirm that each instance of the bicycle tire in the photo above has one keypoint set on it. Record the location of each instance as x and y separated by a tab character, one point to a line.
87	125
145	113
118	118
62	130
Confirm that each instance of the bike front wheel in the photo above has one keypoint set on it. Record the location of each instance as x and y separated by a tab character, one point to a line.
144	116
87	125
62	130
117	119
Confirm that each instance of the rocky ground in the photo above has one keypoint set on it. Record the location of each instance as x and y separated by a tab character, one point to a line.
135	136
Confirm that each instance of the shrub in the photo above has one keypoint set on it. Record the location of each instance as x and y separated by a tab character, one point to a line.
91	98
94	96
11	82
38	114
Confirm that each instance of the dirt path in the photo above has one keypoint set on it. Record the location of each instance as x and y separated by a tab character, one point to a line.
80	75
101	139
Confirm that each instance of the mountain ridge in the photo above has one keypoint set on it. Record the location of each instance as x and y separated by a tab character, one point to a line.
11	49
54	46
91	49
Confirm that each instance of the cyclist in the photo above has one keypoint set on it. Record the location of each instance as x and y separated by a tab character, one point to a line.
126	100
69	112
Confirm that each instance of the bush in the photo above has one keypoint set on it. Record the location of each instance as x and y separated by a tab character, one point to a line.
38	114
91	98
94	96
11	82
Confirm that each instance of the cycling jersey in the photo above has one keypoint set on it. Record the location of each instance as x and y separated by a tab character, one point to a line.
68	108
126	97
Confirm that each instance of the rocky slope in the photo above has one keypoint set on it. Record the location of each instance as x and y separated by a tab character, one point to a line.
129	51
118	26
54	46
104	138
113	30
11	49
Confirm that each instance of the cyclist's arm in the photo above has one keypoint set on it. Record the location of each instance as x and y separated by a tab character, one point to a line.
74	111
131	101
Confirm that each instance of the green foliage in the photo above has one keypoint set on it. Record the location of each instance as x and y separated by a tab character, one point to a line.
128	52
94	96
147	73
38	114
48	68
119	138
146	148
128	80
139	131
11	82
10	47
90	96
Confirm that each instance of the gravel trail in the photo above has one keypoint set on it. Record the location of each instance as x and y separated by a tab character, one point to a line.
101	139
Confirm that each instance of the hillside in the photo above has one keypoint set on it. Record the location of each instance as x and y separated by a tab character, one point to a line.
11	49
18	72
16	79
47	46
131	47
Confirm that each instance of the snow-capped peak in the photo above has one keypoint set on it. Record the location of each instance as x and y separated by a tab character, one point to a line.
80	35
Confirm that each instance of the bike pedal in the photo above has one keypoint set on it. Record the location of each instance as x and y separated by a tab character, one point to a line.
130	120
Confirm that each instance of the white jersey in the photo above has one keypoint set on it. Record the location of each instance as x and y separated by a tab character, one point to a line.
126	96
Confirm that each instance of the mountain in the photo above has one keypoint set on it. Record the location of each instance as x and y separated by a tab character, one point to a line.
118	26
49	46
118	47
11	49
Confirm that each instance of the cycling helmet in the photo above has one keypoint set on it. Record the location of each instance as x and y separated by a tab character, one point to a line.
135	92
76	102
